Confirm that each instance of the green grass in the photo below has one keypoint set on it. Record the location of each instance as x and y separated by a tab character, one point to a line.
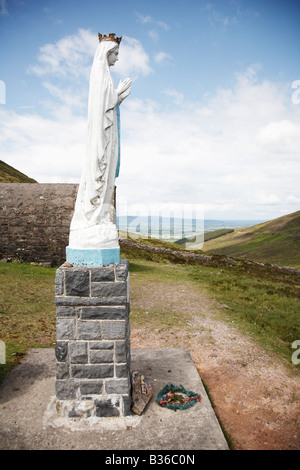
267	308
276	242
217	233
27	309
8	174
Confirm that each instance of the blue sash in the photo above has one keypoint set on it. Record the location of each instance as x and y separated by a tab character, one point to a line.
118	123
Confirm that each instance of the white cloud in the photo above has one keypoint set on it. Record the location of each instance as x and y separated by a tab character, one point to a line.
280	137
67	97
47	150
294	200
214	152
70	55
143	18
133	59
147	19
162	57
156	25
153	34
71	58
176	95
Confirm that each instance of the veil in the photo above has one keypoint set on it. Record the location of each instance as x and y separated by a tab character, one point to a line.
97	181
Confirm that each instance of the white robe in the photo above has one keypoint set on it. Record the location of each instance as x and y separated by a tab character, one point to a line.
91	226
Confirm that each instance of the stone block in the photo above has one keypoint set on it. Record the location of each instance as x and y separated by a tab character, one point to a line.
126	404
66	312
81	409
66	389
62	370
88	330
91	387
77	283
122	371
98	357
119	386
92	371
107	408
121	352
103	275
65	328
102	313
59	282
78	352
108	289
61	351
122	270
113	329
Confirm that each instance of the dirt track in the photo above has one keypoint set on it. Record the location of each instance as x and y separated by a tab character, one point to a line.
255	397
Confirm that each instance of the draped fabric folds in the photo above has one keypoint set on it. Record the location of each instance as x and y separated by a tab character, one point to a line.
92	225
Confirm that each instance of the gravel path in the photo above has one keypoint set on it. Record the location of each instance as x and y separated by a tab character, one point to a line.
255	396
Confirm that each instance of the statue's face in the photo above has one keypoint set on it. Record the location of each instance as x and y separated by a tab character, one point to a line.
113	56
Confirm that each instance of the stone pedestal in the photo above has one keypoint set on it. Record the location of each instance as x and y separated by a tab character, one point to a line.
93	341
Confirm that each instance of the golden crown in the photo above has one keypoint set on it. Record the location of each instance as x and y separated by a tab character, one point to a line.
110	37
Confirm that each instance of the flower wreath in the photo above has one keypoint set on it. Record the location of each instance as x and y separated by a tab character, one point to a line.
177	398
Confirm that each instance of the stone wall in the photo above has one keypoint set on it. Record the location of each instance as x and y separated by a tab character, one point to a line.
35	221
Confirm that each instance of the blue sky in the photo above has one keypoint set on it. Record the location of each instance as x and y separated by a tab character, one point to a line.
214	114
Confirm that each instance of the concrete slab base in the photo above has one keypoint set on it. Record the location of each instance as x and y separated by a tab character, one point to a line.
29	420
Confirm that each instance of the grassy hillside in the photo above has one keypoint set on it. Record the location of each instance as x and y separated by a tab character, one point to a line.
275	242
207	236
8	174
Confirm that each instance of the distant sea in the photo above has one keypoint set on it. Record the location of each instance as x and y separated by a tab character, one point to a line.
176	228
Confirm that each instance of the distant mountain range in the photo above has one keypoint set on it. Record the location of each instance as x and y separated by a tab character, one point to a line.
8	174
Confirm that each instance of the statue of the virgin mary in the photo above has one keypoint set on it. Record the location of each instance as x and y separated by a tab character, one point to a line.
93	237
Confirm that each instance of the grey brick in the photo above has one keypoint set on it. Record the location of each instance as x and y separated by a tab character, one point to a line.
121	351
91	387
66	312
65	328
89	330
98	357
61	351
106	408
127	404
103	313
103	275
77	283
122	270
113	329
66	389
108	289
122	371
78	352
92	371
117	386
62	370
59	282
